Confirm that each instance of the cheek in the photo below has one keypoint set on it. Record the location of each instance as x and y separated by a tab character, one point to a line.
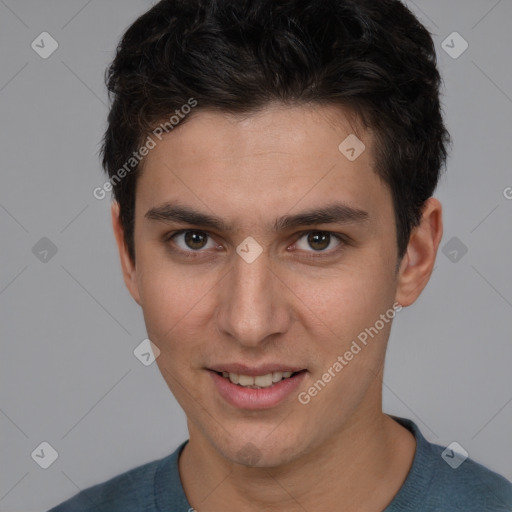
169	291
174	303
349	305
347	300
350	342
175	306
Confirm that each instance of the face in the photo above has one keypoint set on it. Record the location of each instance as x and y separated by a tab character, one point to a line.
262	249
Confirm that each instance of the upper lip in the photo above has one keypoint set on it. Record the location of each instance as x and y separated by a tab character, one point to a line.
253	371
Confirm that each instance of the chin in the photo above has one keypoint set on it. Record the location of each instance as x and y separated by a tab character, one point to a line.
262	450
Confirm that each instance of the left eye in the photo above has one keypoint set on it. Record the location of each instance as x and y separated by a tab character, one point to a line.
318	240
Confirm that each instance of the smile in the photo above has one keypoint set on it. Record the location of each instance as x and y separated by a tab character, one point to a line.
265	389
259	381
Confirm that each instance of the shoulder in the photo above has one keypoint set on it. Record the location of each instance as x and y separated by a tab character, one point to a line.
132	490
446	479
470	486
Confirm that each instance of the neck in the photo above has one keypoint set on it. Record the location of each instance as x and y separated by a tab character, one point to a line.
361	469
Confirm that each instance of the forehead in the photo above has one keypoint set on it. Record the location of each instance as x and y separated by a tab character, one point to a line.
276	160
276	129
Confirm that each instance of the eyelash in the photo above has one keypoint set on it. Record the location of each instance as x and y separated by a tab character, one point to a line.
343	242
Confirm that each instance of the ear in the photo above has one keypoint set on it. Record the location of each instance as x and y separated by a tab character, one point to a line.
418	261
128	267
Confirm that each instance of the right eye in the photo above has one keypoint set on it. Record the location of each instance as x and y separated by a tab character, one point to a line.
192	241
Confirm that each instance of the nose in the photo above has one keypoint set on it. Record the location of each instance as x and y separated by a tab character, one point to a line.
252	305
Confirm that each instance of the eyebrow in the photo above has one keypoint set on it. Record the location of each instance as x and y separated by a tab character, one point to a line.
337	213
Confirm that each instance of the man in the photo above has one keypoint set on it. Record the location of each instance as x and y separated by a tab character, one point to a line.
273	166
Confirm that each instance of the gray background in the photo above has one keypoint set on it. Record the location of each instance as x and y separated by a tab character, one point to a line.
69	327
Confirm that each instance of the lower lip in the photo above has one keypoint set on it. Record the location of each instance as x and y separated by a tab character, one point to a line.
264	398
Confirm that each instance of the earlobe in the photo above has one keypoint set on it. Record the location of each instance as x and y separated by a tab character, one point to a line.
418	262
127	266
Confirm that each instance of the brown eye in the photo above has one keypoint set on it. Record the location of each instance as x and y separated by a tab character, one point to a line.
195	239
189	241
319	240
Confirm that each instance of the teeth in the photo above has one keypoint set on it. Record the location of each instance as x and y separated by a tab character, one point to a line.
260	381
245	380
277	376
263	381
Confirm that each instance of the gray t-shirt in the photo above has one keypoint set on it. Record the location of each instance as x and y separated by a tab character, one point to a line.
431	485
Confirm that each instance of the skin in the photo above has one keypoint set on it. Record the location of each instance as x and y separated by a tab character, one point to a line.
287	306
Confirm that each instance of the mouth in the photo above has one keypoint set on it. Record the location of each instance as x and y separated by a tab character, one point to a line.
267	380
249	388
